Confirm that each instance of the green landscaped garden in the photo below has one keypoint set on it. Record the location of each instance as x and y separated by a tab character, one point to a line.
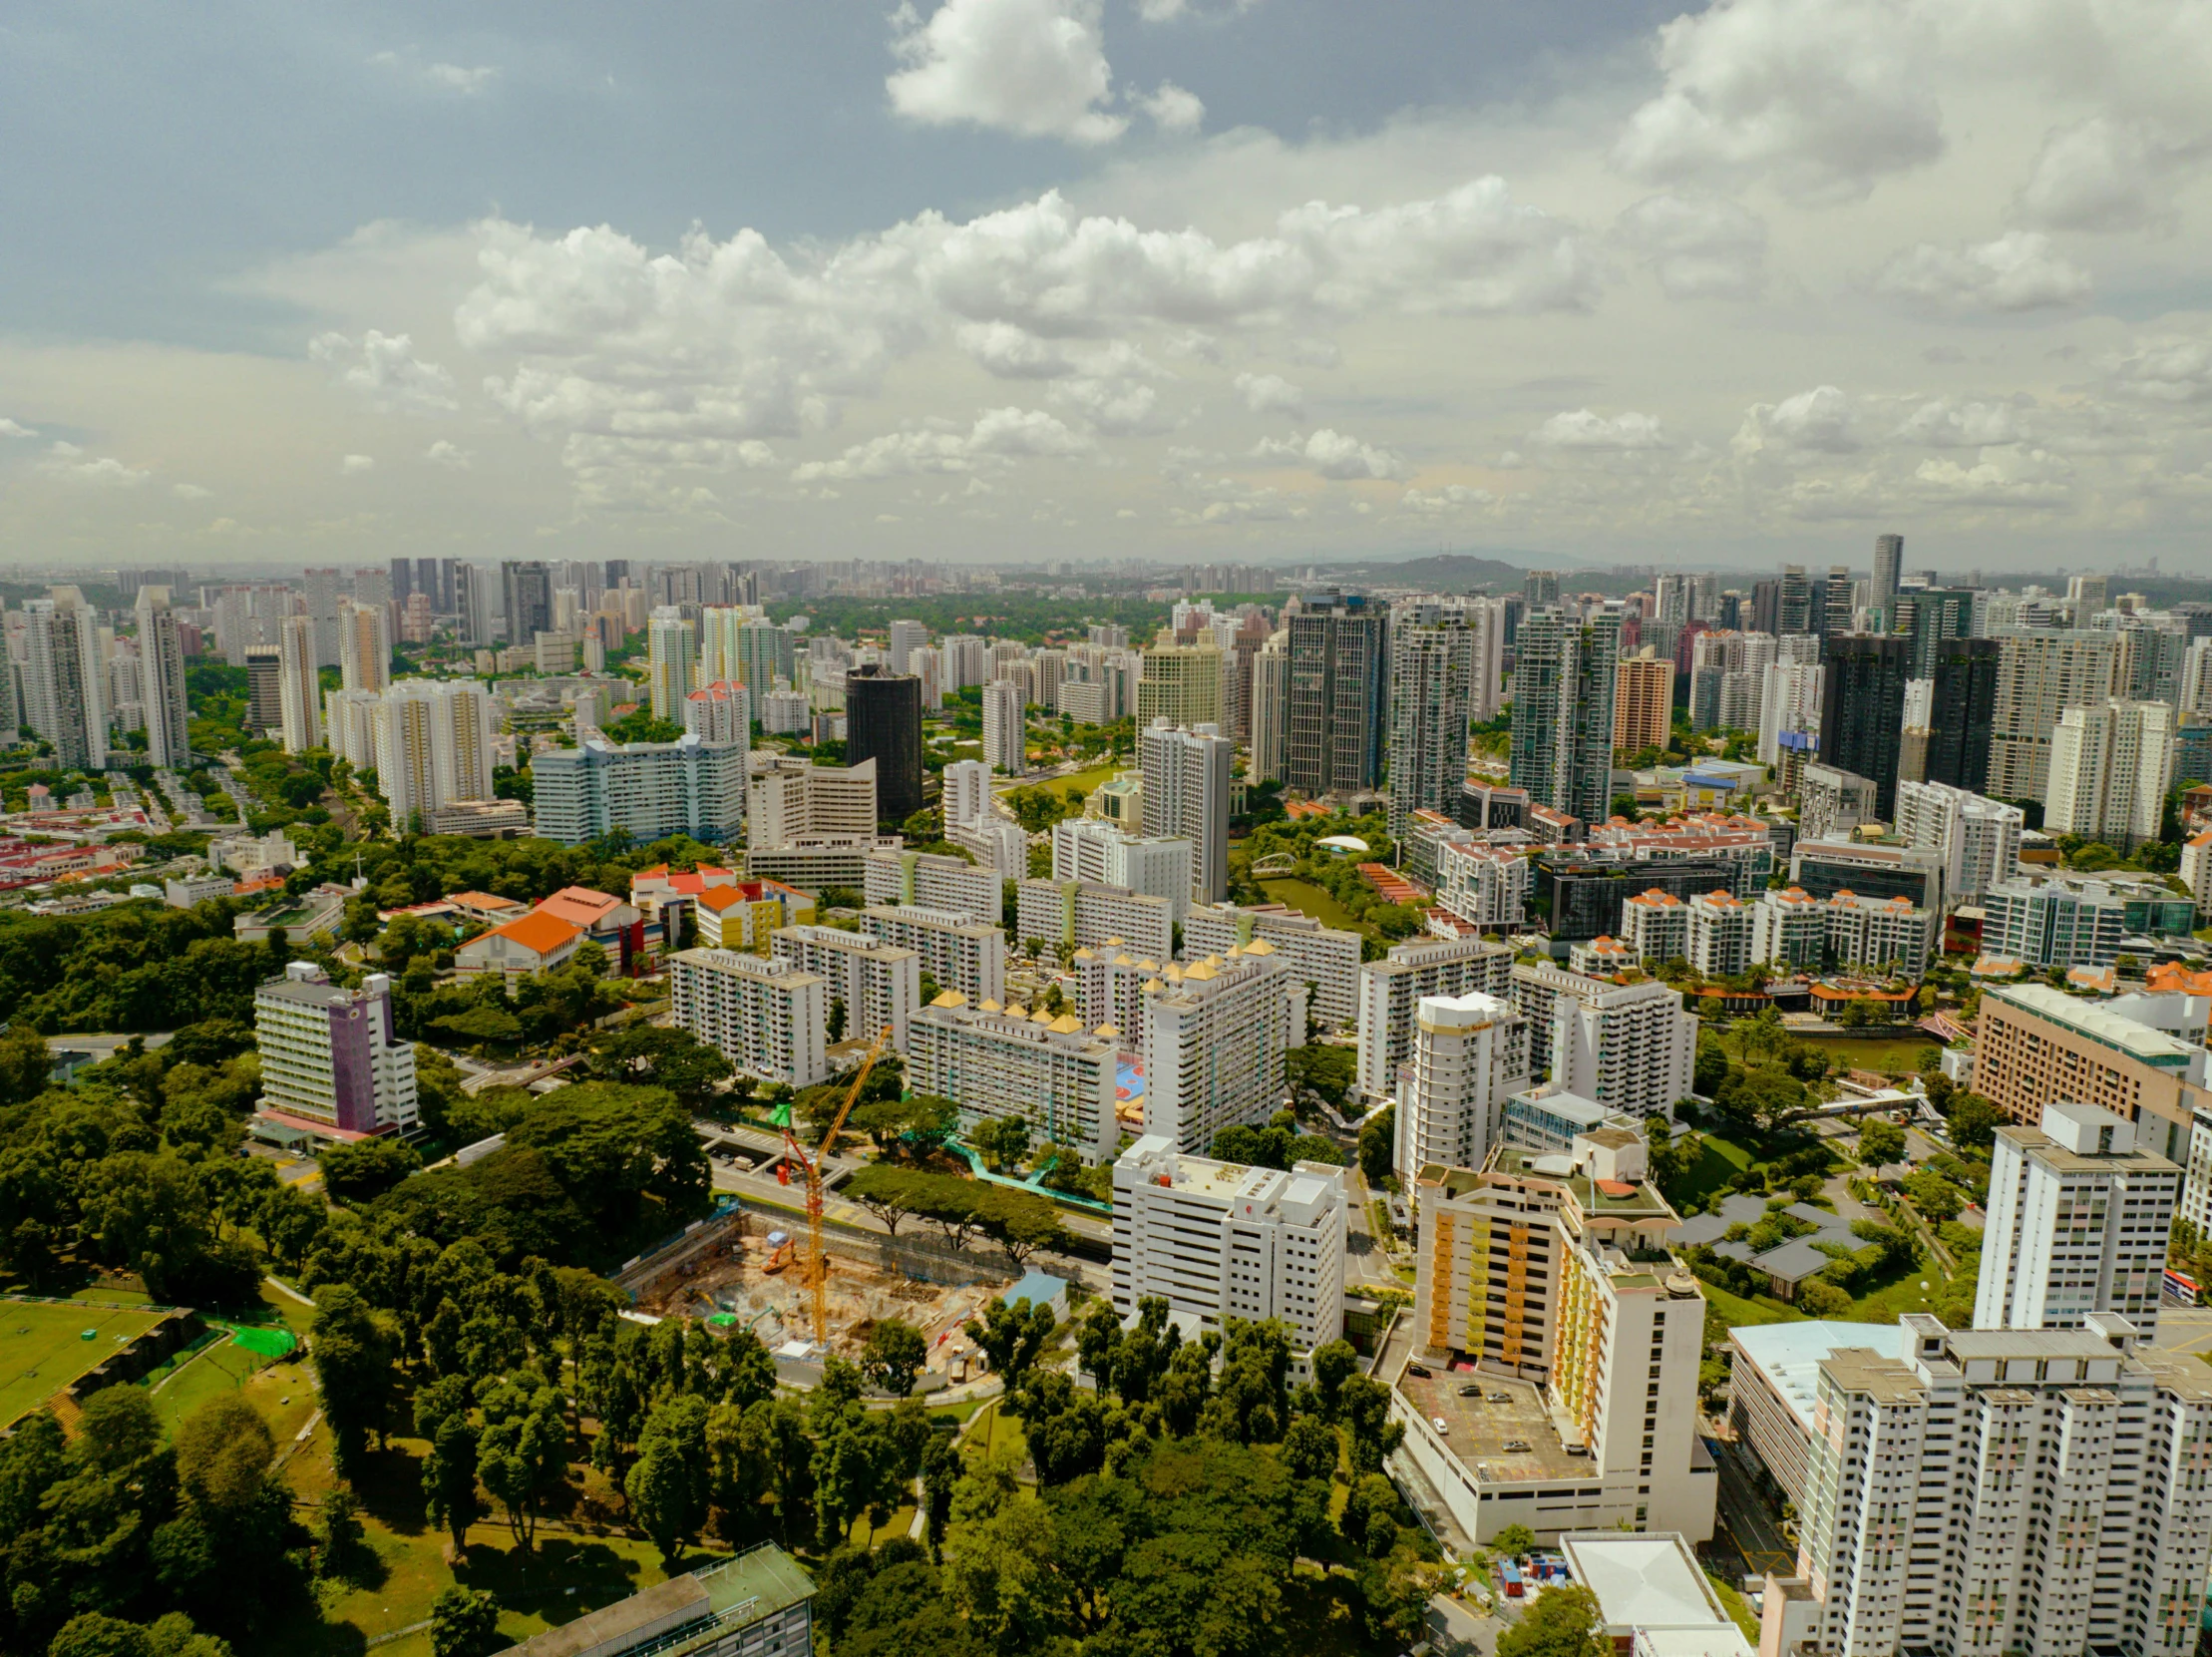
1083	780
1718	1161
1308	899
1886	1055
47	1347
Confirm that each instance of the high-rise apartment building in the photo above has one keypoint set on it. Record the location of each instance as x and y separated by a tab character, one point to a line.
1889	554
1271	708
525	601
324	591
719	711
162	682
2034	1044
1643	702
928	880
2112	764
364	646
792	801
1630	1047
265	708
1185	796
332	1062
1391	990
767	1016
879	983
2038	677
672	645
1978	837
1431	685
1564	678
1955	746
1720	933
906	639
2077	1223
957	951
1006	735
1862	710
434	746
1212	1034
65	679
1004	1062
1789	704
1339	695
1219	1240
472	598
1089	849
2030	1493
1325	959
299	685
1070	915
1469	1053
649	789
1180	684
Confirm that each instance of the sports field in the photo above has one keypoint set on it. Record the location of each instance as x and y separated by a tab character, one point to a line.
43	1349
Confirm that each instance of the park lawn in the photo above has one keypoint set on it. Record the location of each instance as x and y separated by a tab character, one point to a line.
1887	1055
1894	1299
1308	899
995	1431
1058	786
1718	1161
1738	1313
219	1367
46	1348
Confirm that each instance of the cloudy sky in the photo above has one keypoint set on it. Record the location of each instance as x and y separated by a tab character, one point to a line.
1191	279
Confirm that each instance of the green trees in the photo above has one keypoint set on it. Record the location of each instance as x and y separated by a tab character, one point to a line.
1880	1142
360	1171
671	1484
1564	1622
523	1450
1974	1122
353	1347
893	1356
464	1622
1278	1145
1011	1337
1323	1069
1377	1145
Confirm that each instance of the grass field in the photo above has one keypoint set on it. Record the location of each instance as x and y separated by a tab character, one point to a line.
1737	1313
1718	1161
1084	780
1308	899
1898	1055
46	1350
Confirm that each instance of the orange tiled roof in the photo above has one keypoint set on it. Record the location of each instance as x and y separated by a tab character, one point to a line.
538	931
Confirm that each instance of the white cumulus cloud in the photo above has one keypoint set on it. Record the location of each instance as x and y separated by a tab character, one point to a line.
354	465
998	436
384	368
1335	453
2102	174
1034	68
445	452
1173	109
189	491
10	428
2019	270
71	463
1582	429
1945	424
1270	394
1822	96
1819	421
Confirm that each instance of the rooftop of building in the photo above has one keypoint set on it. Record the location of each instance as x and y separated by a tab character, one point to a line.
310	991
2096	1022
1646	1580
1610	1199
1478	1430
756	1584
539	931
1788	1354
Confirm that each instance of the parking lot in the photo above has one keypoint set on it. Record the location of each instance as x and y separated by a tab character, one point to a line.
1500	1413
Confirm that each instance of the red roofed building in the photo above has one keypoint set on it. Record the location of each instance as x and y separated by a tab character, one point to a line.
616	926
536	942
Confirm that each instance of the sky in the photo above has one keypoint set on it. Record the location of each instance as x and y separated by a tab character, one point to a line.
978	280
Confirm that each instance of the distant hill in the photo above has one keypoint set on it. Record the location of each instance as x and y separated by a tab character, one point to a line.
1445	571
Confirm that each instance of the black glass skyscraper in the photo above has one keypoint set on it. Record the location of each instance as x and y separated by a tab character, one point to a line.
882	722
1961	710
1862	707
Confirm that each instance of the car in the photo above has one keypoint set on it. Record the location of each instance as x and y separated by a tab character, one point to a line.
1518	1447
1501	1397
1470	1392
1440	1424
1417	1369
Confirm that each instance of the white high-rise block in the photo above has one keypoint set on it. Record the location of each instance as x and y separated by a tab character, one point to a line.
1186	794
1006	737
298	687
2110	766
967	792
767	1016
1978	837
1219	1240
1469	1053
2077	1223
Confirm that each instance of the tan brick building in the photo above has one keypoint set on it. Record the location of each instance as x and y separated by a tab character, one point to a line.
1643	702
2037	1046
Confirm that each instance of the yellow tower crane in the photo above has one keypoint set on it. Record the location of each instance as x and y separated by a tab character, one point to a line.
818	1260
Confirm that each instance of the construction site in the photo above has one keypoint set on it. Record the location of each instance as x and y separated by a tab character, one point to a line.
749	1271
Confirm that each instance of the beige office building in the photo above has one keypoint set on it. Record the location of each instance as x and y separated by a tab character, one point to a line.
1643	702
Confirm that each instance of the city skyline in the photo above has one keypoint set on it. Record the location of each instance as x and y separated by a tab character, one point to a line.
1731	289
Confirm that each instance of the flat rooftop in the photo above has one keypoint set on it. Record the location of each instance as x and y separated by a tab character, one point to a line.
1788	1354
2099	1024
1611	1199
1478	1431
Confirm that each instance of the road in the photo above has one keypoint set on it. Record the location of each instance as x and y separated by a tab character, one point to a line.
1753	1528
1370	1259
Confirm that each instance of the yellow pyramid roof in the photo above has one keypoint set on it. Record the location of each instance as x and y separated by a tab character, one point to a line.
986	1005
1109	1032
1084	955
1259	946
1042	1015
951	997
1065	1024
1204	970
